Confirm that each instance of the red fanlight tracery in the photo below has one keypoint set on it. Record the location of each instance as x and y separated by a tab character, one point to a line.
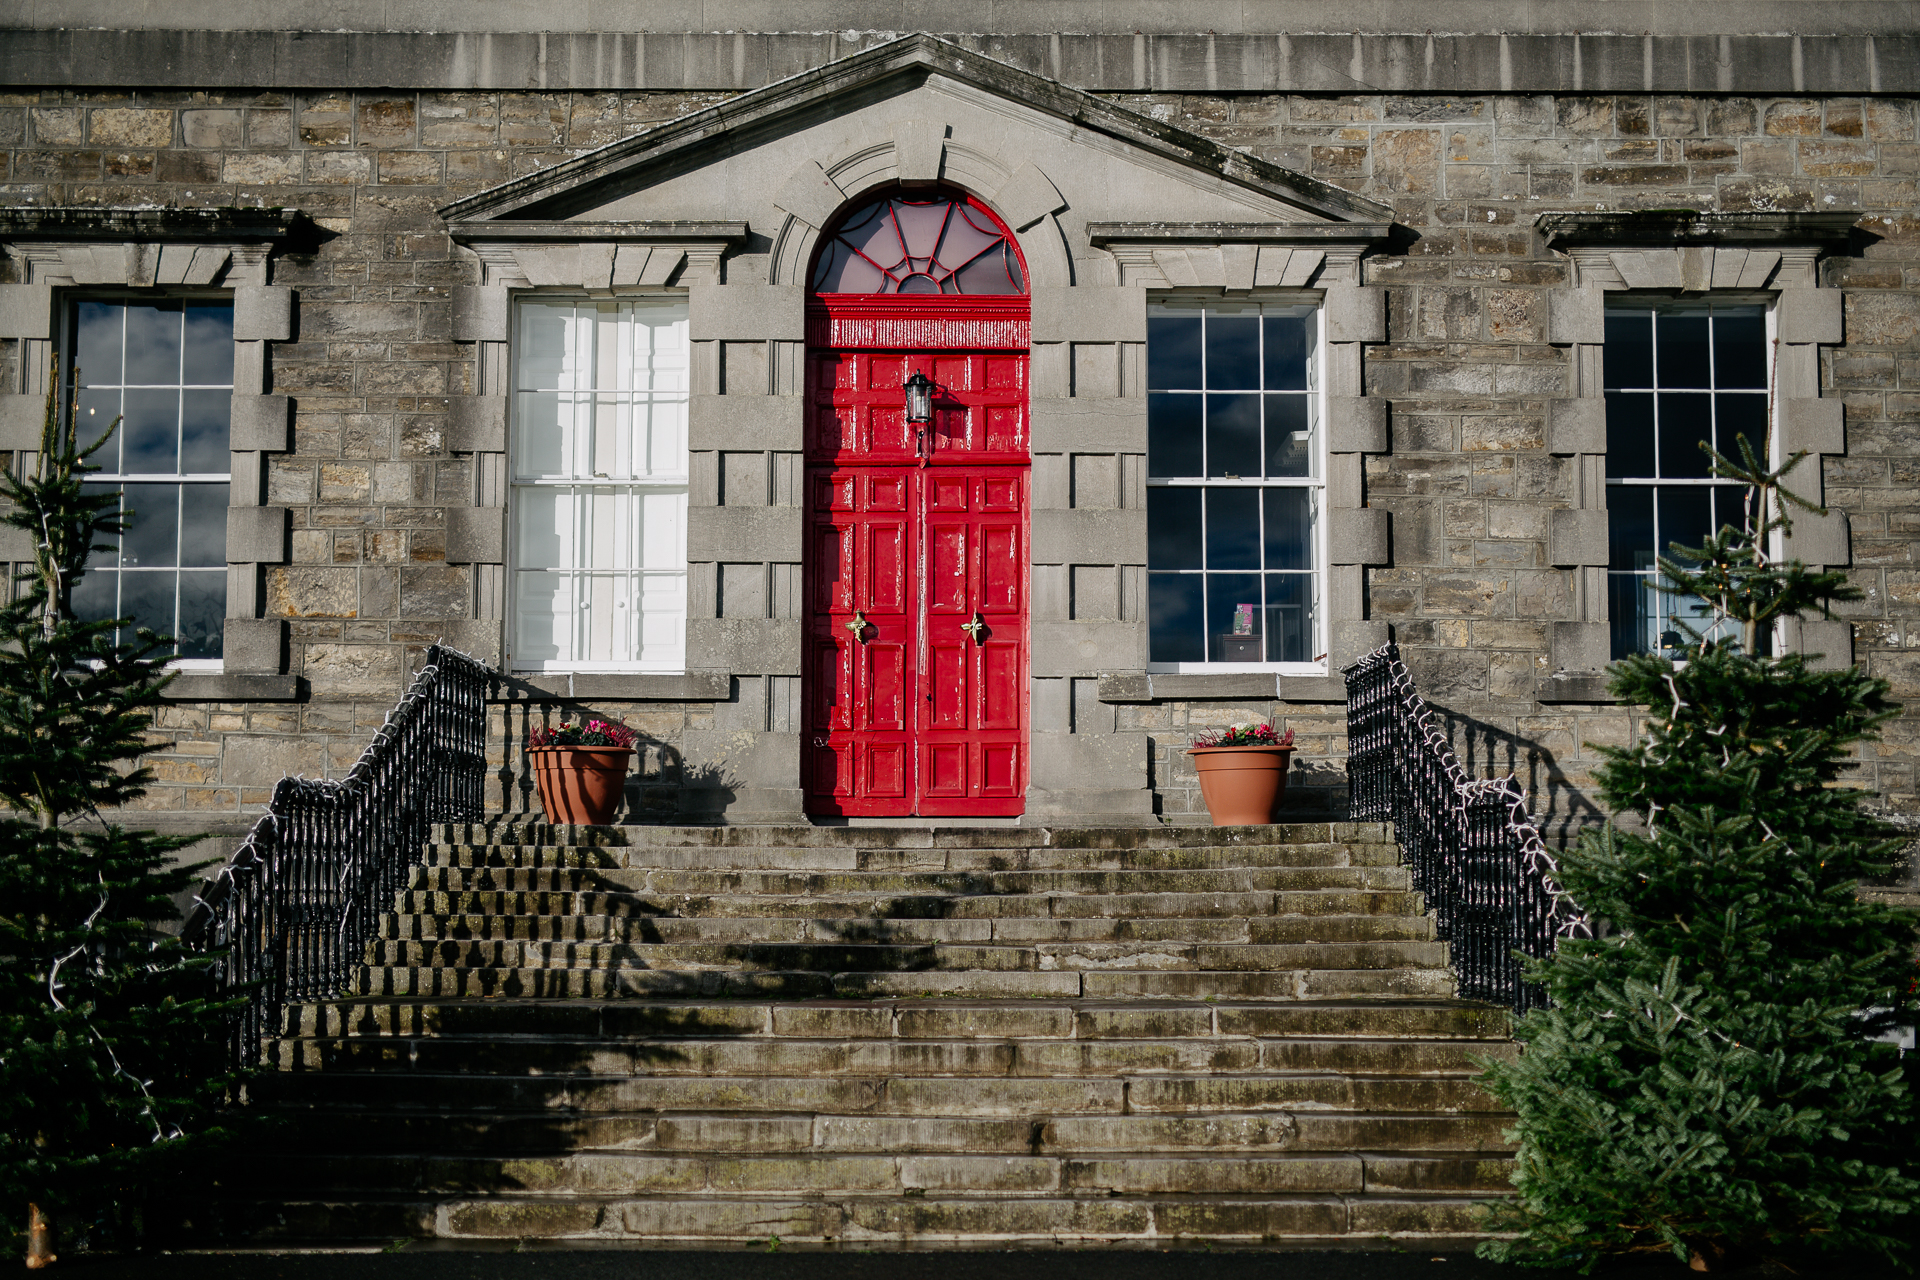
919	242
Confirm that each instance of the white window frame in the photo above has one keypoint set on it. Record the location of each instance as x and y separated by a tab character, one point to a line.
518	484
68	302
1767	302
1317	483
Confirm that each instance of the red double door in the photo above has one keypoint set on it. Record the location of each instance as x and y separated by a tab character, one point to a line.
915	681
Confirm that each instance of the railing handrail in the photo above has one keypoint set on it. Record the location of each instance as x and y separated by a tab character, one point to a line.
291	911
1470	844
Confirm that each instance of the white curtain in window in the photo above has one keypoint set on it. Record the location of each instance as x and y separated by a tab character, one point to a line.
600	485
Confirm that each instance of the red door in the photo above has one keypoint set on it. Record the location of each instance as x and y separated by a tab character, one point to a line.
916	586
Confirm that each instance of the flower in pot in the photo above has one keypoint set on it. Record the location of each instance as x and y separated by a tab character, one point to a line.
1243	772
581	770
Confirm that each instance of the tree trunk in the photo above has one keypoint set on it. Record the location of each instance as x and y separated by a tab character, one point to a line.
39	1239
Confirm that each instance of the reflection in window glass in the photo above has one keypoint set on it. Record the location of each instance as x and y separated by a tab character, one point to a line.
1234	482
600	485
1677	375
164	367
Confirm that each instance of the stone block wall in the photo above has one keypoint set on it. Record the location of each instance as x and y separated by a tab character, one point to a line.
1467	369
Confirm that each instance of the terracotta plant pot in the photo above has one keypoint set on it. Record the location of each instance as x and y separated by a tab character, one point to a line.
580	786
1243	786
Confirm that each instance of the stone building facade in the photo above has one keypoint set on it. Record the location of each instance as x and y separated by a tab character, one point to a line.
1457	215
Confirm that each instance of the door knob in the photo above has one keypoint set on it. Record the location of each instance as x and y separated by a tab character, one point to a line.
858	626
975	627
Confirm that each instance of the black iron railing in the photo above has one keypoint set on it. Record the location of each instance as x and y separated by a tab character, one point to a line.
290	914
1469	843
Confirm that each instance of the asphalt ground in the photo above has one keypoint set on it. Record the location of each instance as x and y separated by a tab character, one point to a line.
415	1263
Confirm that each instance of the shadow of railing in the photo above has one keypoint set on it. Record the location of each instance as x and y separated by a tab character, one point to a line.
1559	808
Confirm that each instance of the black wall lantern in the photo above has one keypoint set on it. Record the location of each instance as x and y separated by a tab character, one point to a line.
919	398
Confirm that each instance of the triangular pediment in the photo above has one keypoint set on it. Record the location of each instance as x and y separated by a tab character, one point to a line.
916	110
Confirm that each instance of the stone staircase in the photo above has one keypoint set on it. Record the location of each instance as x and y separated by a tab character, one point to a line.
878	1037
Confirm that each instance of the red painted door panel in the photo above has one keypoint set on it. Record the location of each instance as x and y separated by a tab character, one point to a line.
916	587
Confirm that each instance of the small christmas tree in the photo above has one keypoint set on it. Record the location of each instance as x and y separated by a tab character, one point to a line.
110	1049
1705	1080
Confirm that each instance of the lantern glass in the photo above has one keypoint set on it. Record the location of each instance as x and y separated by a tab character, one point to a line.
919	398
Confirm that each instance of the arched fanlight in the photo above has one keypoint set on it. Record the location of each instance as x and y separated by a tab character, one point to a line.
919	398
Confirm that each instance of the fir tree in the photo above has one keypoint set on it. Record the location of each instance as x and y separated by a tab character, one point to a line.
1705	1081
110	1049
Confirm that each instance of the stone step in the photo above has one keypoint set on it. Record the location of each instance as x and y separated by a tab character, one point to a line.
519	832
1398	1024
631	1098
1069	984
1080	906
1221	880
1094	1219
839	858
828	957
701	1169
1017	930
901	1059
387	1131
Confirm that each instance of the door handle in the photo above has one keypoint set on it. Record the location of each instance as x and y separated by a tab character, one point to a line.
975	627
858	626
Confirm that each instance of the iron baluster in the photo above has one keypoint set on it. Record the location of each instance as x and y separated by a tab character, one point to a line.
290	915
1470	846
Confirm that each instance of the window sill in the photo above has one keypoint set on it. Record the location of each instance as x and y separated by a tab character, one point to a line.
224	686
633	686
1135	688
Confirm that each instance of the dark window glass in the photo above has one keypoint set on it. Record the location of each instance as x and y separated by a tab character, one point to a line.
1173	528
1629	433
1289	352
1176	615
1680	351
1741	417
1233	528
1231	563
1630	527
1234	618
1629	349
1706	366
1233	436
1289	524
1173	353
164	367
1740	348
1685	420
1175	438
1289	436
1233	351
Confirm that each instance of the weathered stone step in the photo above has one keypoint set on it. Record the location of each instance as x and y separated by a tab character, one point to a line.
796	1056
389	1131
1017	930
1396	1023
838	858
830	957
885	1220
517	832
1233	880
1081	906
1291	984
700	1169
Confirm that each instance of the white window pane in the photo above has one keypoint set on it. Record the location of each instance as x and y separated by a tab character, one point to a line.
541	423
542	343
663	537
544	528
543	615
663	619
602	398
666	431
